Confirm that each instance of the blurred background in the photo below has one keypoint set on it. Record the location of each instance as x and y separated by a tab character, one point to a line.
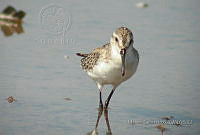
54	96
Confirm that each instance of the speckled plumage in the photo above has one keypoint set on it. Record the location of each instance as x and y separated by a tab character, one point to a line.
112	63
91	59
106	60
123	32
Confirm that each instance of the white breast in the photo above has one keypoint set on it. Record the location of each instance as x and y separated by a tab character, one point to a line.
131	63
109	72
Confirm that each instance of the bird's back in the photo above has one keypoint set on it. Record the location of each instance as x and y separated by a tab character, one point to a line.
90	60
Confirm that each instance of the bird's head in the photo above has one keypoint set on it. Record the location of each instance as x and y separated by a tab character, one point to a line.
122	38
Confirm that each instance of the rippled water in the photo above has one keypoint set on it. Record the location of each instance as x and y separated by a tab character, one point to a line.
39	68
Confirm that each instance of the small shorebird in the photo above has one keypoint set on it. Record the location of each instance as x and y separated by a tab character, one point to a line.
113	63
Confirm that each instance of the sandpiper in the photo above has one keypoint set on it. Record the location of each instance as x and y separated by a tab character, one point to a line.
113	63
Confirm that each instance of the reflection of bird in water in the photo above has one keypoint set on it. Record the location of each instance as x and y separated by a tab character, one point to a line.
161	128
94	131
11	21
109	132
113	63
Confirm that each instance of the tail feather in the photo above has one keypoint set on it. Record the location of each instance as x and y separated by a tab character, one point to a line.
82	55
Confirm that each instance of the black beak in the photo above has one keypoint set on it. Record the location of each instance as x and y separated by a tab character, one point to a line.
123	55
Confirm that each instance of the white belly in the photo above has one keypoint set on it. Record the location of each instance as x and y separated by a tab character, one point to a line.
110	72
106	73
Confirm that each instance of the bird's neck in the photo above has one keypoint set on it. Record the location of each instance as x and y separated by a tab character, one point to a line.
115	52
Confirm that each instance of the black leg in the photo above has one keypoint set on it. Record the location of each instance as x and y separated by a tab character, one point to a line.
100	109
107	122
100	101
99	116
108	99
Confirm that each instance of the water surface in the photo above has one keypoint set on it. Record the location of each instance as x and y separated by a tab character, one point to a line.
34	71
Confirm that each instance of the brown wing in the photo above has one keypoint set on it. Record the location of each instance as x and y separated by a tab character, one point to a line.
87	63
91	59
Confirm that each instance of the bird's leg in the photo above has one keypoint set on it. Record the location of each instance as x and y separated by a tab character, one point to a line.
98	118
108	99
107	122
100	102
100	110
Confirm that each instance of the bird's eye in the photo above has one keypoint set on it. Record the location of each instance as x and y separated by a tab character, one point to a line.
116	39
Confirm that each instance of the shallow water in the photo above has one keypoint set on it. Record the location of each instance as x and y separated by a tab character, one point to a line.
35	71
